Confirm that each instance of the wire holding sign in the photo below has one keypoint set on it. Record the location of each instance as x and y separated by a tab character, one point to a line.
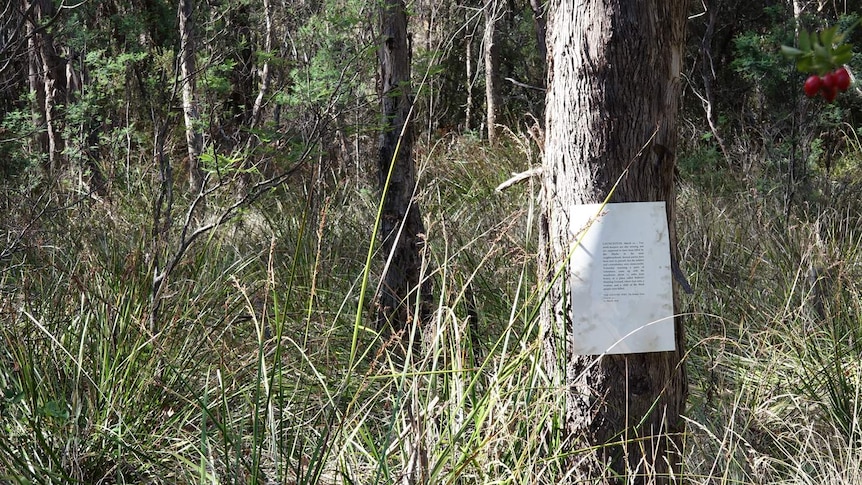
622	294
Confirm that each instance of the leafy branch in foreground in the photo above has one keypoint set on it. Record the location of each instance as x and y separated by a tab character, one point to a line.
824	55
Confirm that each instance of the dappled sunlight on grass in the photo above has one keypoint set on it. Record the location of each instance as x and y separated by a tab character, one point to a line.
251	377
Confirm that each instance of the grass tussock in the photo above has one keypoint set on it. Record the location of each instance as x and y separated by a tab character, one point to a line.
259	370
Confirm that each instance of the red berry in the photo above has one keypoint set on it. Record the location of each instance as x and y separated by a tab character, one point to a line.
842	79
829	81
830	93
812	86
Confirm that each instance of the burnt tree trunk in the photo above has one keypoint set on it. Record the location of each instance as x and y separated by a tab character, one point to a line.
401	291
613	91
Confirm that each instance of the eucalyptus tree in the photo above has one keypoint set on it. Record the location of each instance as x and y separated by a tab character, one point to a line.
402	288
613	91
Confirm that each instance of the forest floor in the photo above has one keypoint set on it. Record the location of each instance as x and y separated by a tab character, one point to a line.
261	366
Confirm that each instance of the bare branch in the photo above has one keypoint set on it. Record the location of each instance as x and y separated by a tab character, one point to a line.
519	177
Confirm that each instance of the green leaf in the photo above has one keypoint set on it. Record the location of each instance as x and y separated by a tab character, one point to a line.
791	52
842	54
820	66
12	395
55	409
804	40
821	53
827	37
839	38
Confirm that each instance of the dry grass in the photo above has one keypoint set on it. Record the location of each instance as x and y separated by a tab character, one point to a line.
262	373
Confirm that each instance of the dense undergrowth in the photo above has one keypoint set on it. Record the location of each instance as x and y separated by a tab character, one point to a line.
259	371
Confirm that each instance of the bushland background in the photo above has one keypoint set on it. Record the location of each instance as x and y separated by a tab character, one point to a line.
187	255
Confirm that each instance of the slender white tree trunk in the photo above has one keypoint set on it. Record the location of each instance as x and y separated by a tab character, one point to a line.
264	70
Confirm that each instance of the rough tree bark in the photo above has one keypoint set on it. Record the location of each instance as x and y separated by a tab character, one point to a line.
613	89
401	228
46	79
194	138
491	10
51	88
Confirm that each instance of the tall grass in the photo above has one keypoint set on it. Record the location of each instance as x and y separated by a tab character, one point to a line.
773	325
251	379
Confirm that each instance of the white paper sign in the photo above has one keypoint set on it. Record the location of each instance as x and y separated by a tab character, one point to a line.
621	289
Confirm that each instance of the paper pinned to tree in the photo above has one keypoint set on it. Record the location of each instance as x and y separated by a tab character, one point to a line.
621	288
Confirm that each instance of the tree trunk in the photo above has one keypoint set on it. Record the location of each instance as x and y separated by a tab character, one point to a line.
263	91
492	68
244	179
613	89
538	9
468	62
401	228
707	72
37	89
49	109
194	138
47	81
